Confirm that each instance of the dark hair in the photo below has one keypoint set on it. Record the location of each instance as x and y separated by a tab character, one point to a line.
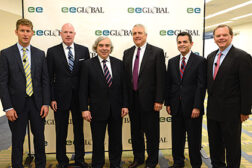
185	34
223	25
25	22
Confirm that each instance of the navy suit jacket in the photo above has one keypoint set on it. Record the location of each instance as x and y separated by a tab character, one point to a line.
230	94
189	92
62	81
103	100
13	81
151	78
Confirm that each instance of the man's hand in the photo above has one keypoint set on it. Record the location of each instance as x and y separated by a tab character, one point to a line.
244	117
11	115
44	111
195	113
86	115
157	106
168	109
124	112
54	105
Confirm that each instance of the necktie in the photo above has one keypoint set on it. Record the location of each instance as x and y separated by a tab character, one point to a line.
70	59
27	69
182	68
135	70
217	65
107	74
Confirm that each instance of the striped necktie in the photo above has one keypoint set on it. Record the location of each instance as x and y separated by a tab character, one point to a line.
182	68
70	59
107	74
27	69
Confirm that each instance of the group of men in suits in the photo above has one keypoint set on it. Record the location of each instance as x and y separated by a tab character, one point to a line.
103	89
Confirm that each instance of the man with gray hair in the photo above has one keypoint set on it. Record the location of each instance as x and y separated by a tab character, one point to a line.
145	76
102	87
64	61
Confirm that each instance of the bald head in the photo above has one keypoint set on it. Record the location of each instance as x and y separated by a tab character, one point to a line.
67	34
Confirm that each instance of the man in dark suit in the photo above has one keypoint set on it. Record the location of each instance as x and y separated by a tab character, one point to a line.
102	87
185	93
229	87
64	62
145	74
25	93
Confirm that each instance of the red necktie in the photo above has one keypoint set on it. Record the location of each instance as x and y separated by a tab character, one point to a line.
217	65
182	68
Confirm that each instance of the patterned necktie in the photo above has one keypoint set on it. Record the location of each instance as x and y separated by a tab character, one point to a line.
217	65
27	69
182	68
70	59
107	74
135	70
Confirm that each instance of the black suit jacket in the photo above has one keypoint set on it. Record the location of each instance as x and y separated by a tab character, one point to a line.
103	100
62	80
151	78
190	91
230	94
13	81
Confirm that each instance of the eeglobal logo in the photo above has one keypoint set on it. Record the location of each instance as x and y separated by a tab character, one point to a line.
121	32
193	10
176	32
55	32
149	10
35	9
86	10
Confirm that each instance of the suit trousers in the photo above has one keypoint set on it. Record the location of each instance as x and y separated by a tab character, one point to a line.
224	139
61	121
144	122
193	127
98	129
18	130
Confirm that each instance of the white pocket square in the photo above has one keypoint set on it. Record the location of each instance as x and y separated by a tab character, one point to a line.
81	59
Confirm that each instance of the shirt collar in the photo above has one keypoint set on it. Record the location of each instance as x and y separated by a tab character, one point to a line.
20	48
101	59
143	46
65	46
224	52
186	56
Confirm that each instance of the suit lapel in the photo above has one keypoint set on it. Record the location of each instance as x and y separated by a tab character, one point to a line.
76	57
63	58
177	65
19	60
147	53
33	60
189	64
114	70
99	68
131	64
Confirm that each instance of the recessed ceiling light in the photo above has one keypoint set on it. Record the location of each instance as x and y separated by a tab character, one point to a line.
229	9
243	16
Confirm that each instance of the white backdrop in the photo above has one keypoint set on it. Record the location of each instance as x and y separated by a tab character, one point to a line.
163	20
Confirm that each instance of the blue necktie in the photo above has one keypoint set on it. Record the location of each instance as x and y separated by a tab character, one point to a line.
70	59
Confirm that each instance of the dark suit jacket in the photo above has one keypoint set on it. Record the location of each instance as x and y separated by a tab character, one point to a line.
103	100
13	81
230	94
190	91
151	78
62	80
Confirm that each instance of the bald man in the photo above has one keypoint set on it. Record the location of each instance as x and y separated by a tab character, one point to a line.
64	62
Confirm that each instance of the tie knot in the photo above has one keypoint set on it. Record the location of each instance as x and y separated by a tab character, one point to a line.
183	58
24	49
138	49
69	48
104	61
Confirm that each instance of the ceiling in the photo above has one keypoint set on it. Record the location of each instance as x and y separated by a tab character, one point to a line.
215	6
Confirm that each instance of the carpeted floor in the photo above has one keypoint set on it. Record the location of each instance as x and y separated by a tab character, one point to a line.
165	157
